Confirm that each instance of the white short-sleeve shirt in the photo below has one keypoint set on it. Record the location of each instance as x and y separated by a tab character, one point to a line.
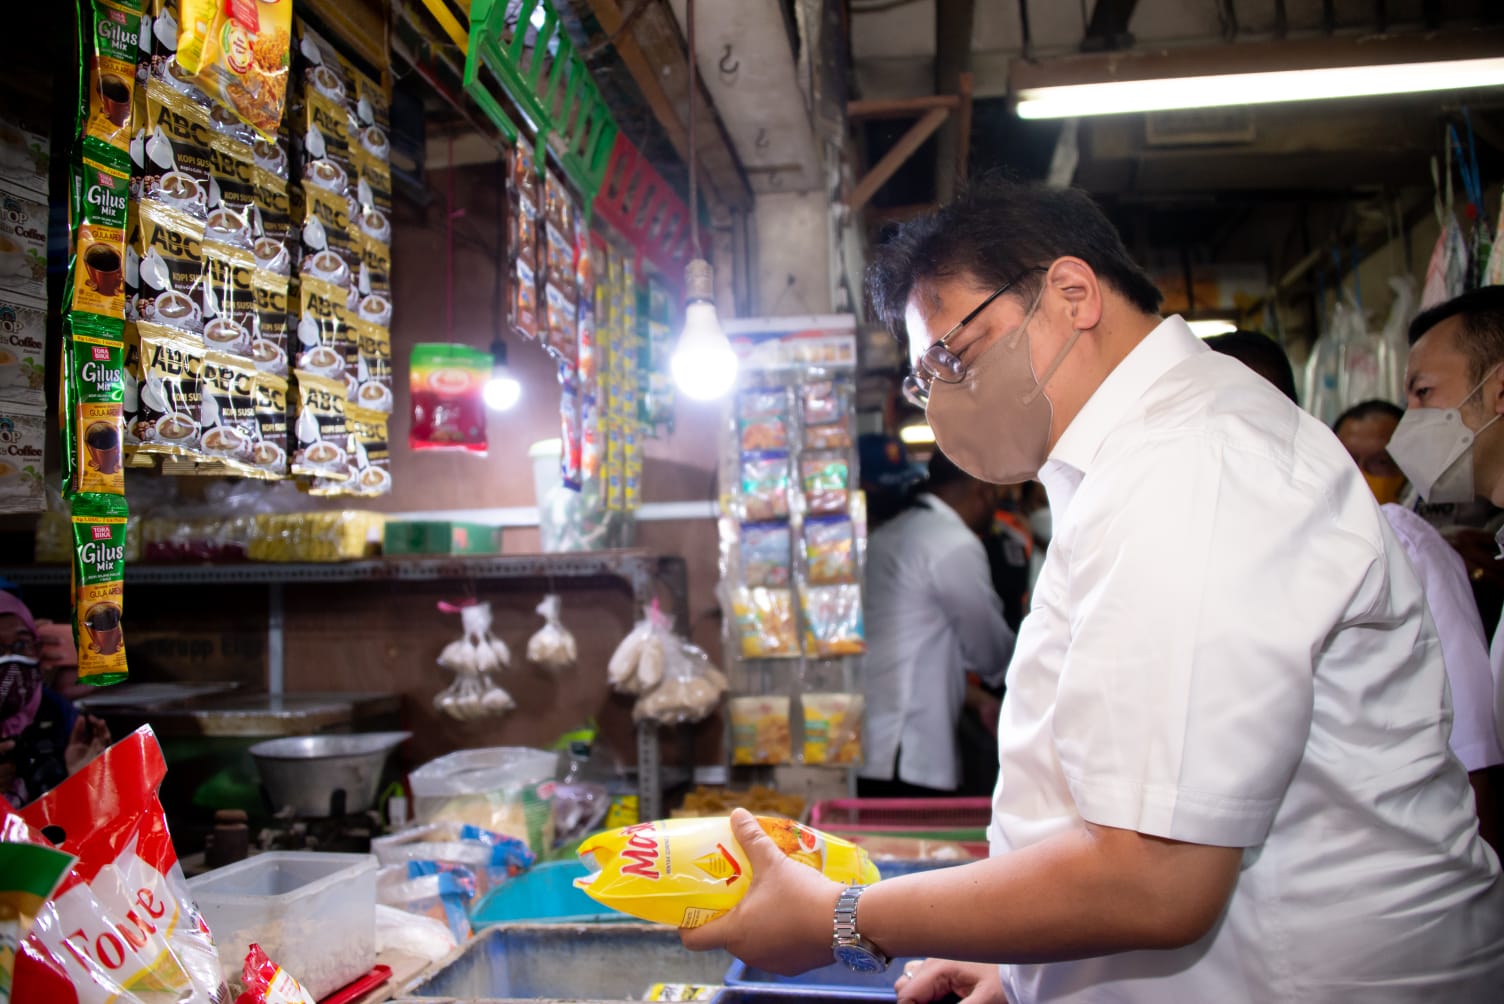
1227	646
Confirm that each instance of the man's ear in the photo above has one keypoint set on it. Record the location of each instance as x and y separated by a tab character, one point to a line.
1076	282
1494	385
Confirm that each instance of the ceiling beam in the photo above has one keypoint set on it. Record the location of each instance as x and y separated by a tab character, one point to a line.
895	157
953	31
653	52
1107	31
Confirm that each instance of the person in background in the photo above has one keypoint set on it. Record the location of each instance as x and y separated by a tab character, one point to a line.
43	739
1364	431
1259	353
1224	760
888	477
932	615
1450	443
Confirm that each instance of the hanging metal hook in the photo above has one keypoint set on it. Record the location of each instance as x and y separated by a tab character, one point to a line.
762	142
728	67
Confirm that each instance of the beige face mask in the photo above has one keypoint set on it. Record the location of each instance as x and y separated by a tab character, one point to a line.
995	423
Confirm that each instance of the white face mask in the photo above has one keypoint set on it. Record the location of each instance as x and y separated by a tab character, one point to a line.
1434	449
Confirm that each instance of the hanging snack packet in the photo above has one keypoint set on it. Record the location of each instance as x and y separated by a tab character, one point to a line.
169	264
373	280
832	728
170	392
228	411
765	622
122	926
246	55
760	731
23	440
269	330
762	415
448	383
826	478
524	302
109	43
833	621
97	275
93	398
571	454
321	434
232	192
765	486
98	577
829	550
765	554
269	455
30	873
688	872
825	401
265	982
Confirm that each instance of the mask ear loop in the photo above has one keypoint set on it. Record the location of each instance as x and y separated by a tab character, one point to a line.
1039	383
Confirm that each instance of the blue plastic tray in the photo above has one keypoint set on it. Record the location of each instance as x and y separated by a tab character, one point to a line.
832	979
544	894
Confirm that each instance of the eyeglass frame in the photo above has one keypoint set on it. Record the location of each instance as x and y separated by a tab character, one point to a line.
28	647
916	390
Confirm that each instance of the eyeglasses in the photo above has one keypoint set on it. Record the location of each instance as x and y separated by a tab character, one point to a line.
938	362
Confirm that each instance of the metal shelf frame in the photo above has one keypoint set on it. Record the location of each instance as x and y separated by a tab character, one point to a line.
643	571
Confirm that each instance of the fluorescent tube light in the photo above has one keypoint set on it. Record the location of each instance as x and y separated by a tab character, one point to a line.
1220	91
1205	329
916	435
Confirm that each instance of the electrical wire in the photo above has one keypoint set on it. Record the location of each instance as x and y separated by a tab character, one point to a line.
694	87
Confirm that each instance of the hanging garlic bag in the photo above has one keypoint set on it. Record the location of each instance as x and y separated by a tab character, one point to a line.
474	659
552	646
637	664
690	690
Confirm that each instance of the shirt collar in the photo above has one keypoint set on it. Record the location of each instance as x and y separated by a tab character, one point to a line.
1170	343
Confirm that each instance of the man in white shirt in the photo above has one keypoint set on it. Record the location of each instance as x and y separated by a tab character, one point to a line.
1449	443
1224	770
932	616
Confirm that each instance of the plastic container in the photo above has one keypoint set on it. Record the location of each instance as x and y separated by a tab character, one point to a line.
545	456
834	979
314	914
545	894
496	772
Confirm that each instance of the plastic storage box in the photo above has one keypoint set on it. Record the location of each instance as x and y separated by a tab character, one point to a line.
831	980
313	914
963	820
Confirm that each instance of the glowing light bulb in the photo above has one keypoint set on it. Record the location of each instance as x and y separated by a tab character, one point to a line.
704	364
502	391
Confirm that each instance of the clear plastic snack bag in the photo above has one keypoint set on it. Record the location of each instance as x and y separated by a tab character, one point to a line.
638	663
552	646
690	690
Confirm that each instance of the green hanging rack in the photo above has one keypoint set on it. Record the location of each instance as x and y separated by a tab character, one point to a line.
523	43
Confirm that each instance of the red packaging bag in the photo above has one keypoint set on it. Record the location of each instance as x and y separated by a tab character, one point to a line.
121	927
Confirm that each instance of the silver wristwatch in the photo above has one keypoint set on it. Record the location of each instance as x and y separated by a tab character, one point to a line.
848	946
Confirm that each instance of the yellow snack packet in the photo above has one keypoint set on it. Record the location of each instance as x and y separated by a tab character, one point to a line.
688	872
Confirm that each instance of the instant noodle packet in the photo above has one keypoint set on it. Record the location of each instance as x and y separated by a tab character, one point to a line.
688	872
245	58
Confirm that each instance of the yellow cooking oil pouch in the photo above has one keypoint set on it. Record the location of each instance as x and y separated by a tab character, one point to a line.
688	872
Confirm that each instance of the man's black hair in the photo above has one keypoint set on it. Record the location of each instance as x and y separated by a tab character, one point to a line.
1369	409
995	232
1482	336
1259	353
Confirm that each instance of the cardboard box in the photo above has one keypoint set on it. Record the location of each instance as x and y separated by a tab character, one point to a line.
440	537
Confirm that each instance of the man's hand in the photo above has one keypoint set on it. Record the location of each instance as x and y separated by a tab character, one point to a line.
90	737
56	641
785	922
932	979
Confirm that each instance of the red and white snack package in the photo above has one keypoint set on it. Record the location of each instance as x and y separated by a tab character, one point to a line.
121	927
268	983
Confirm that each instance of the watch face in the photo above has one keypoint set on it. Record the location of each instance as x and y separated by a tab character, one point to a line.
859	959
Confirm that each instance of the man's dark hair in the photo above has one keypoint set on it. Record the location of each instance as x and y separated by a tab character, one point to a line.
942	472
1482	337
1369	409
996	231
1259	353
